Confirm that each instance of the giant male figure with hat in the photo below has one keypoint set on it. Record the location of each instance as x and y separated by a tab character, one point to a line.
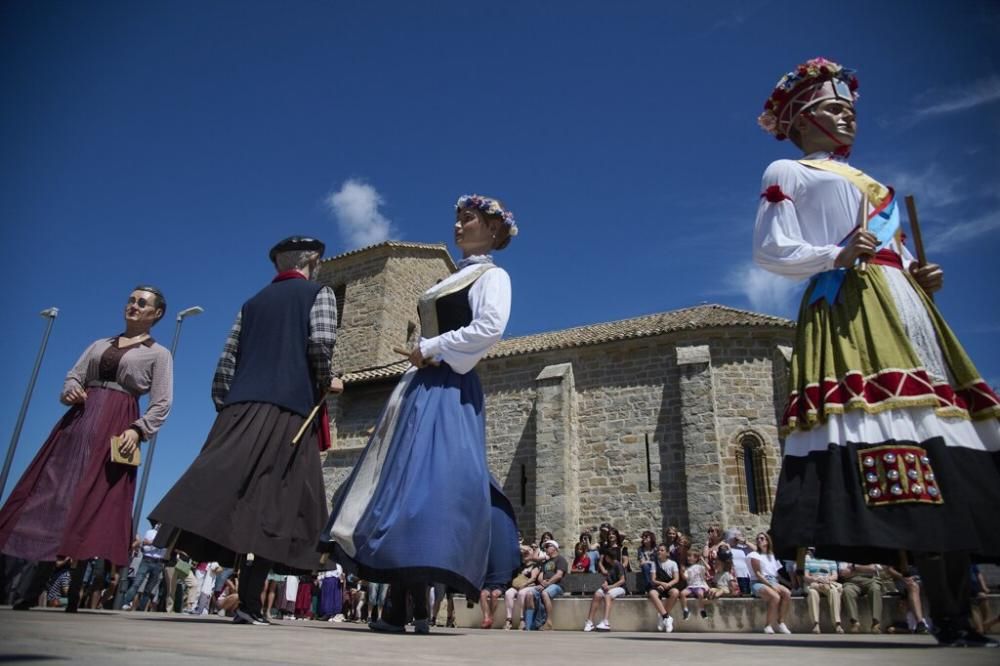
251	489
892	438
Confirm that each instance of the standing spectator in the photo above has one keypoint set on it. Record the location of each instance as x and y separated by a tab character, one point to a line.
671	537
331	594
646	556
520	589
697	584
206	591
764	584
665	582
861	580
150	571
819	578
439	593
377	595
547	588
274	581
612	588
581	558
982	620
740	550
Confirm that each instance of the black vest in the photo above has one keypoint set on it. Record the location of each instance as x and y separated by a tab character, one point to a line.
273	362
454	311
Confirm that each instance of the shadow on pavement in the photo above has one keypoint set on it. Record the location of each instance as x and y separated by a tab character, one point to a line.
846	644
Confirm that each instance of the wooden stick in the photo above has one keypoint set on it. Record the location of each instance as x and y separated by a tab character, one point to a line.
918	239
863	226
401	351
309	419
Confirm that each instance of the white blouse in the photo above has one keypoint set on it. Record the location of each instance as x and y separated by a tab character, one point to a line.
798	237
489	299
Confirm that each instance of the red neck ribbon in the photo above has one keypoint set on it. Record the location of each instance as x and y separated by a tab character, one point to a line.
288	275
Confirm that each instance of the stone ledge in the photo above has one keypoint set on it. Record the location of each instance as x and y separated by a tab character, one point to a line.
740	615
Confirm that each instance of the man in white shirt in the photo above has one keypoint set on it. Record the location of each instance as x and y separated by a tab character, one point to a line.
150	570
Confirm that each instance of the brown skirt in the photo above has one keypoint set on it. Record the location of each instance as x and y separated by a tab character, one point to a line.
72	500
249	491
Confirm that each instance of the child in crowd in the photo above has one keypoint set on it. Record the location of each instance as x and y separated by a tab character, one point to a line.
725	581
612	588
581	558
697	585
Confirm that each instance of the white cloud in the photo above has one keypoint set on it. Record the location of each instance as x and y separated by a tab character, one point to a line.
971	95
959	233
767	292
933	187
356	208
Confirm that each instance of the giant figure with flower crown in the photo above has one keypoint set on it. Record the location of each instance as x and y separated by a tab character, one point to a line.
892	438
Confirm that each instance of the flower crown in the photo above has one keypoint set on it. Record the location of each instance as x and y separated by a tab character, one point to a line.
489	207
789	93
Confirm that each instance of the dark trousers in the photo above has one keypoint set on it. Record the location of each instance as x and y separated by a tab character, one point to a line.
945	577
252	581
34	576
395	610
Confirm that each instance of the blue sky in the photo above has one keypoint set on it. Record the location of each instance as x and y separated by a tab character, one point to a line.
174	143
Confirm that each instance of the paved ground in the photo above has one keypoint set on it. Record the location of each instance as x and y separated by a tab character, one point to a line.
107	638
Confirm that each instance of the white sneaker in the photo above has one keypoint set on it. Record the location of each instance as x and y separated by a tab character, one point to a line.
670	625
588	626
783	628
661	623
339	617
768	629
603	626
127	607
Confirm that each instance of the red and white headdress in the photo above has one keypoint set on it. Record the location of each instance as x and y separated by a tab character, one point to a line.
807	85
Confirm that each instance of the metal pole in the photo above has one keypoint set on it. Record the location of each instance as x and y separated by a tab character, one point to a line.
140	498
151	449
50	314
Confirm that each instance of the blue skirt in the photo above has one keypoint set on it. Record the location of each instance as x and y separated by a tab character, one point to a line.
420	505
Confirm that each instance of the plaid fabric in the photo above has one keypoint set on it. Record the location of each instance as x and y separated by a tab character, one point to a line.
322	336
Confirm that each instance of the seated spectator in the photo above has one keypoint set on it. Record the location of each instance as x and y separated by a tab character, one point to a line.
667	576
58	588
764	584
489	597
229	598
616	540
697	584
592	551
671	537
581	558
819	577
740	549
538	612
711	551
790	577
725	584
861	580
612	588
646	558
520	589
909	586
982	618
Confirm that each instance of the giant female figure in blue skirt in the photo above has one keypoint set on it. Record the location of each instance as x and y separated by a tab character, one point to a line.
421	505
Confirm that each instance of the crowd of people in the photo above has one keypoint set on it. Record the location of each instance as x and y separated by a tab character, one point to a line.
672	574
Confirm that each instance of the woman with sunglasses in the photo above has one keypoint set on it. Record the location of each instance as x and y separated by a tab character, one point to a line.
73	501
764	569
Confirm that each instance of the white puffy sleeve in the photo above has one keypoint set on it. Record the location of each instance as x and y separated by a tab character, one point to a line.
489	299
779	245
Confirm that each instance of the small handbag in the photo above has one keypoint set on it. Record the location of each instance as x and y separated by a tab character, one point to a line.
520	581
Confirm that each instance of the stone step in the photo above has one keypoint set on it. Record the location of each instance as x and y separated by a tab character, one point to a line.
740	615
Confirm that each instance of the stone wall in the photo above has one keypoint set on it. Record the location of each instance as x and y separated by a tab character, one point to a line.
567	430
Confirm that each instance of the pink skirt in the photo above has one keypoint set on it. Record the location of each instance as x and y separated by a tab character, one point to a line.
72	500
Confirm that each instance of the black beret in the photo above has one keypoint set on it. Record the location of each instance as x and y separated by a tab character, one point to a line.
297	244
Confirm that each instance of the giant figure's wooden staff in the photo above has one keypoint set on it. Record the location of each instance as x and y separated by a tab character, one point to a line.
918	239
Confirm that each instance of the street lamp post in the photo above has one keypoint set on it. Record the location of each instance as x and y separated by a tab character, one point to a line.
50	314
137	515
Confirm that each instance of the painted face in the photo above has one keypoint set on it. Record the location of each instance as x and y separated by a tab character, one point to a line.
833	124
141	307
472	232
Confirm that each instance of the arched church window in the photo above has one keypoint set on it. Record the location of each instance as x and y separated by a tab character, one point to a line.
755	493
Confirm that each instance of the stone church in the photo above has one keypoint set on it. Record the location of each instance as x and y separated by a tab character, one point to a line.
665	419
